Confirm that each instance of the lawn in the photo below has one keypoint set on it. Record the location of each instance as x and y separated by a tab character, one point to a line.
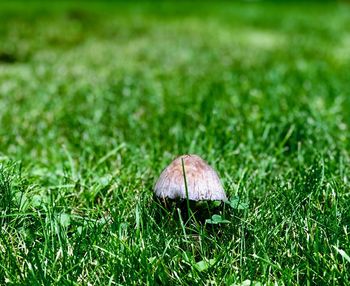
96	98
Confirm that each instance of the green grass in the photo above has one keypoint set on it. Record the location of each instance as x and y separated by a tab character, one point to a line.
96	99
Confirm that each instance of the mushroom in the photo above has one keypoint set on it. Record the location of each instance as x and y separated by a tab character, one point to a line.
201	181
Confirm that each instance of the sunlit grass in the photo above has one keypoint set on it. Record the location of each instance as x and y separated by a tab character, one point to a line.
96	99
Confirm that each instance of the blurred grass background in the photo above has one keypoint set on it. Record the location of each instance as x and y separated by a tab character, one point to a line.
97	97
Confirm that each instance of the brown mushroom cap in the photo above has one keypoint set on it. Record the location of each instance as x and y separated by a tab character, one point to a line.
203	182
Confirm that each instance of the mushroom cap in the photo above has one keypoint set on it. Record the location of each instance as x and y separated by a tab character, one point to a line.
203	183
